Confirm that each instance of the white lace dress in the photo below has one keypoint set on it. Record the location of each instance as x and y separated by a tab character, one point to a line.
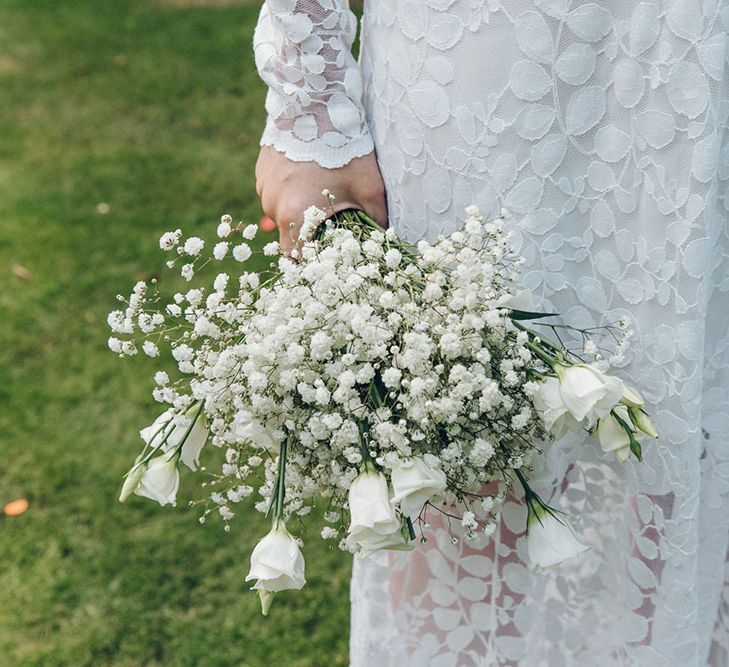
603	127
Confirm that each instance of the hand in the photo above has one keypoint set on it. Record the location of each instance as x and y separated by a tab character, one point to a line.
287	188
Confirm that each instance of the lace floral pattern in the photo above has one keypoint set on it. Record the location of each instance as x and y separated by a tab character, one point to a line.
603	127
314	101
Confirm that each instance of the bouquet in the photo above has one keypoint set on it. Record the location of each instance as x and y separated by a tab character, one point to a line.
377	379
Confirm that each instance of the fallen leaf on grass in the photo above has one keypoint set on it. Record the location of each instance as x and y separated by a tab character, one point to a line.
16	507
19	271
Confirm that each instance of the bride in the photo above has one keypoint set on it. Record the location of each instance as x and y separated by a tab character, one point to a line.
602	127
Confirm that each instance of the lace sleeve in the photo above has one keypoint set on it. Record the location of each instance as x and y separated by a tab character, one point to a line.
314	100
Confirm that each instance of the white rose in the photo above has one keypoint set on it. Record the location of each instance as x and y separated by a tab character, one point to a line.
374	525
587	392
550	539
165	433
554	413
277	564
414	483
160	480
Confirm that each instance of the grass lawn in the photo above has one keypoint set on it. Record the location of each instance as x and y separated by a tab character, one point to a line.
154	109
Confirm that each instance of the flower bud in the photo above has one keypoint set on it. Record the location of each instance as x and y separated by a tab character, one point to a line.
615	433
632	398
642	421
132	480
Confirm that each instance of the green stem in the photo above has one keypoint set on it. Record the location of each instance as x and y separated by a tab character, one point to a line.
542	354
367	463
528	493
535	334
411	529
281	480
635	447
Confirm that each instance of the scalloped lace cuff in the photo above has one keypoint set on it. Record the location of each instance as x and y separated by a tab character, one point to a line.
317	151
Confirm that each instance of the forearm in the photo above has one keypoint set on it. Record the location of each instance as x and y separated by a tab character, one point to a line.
314	102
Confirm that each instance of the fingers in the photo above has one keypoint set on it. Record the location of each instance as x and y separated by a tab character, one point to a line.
374	205
288	216
288	232
371	191
377	210
290	219
287	188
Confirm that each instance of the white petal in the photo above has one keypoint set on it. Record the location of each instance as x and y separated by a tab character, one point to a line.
160	480
551	541
193	445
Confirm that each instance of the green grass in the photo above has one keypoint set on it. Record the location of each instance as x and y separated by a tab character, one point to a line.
155	111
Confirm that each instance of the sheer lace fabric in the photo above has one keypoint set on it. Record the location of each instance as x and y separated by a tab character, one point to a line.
314	101
603	128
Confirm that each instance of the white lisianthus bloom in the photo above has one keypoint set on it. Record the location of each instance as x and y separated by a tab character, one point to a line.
587	392
165	433
374	525
132	480
550	539
414	483
160	480
277	564
612	435
556	417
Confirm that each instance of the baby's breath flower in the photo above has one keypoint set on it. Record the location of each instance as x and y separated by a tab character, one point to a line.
271	249
242	252
225	226
221	282
169	240
220	250
150	349
468	521
249	232
161	378
187	271
193	246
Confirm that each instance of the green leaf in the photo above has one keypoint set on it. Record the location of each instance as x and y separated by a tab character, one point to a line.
635	448
529	315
